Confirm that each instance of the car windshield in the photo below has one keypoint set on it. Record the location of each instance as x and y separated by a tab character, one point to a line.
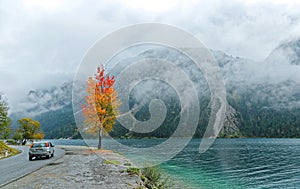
38	145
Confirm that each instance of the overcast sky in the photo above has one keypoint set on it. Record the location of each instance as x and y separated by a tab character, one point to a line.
42	42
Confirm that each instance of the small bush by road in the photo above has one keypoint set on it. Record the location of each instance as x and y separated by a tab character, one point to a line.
6	151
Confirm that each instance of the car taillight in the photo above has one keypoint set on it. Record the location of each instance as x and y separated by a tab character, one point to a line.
47	144
30	145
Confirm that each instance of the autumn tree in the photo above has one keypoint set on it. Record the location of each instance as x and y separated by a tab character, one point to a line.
101	108
29	129
4	119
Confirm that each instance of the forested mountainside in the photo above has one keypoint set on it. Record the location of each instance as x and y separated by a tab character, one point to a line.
263	97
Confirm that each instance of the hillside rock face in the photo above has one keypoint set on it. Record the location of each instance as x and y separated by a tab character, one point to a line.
230	127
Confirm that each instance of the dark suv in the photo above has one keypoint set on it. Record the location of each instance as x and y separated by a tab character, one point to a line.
41	149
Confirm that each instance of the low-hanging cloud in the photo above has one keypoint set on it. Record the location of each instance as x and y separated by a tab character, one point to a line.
41	43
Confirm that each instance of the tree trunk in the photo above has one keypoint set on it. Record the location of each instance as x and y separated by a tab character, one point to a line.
99	139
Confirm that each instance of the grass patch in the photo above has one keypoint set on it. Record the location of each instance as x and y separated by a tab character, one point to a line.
4	147
151	178
133	171
127	164
112	162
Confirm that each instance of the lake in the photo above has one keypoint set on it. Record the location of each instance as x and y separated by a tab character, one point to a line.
229	163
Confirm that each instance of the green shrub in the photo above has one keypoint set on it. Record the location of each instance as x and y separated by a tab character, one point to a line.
151	177
4	147
154	178
11	142
133	171
127	164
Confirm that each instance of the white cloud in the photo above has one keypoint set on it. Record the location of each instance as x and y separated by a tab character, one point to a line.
42	42
156	6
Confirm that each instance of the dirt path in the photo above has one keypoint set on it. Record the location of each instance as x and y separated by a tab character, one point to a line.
81	168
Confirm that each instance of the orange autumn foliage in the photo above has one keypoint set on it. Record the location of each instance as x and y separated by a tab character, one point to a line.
39	136
101	108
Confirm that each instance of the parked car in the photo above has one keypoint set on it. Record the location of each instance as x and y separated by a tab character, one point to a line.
41	149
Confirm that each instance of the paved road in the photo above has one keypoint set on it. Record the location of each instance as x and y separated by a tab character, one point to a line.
19	165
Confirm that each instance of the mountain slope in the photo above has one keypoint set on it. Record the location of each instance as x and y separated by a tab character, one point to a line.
286	53
52	107
263	97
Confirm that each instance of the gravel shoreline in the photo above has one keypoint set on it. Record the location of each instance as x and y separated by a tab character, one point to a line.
81	167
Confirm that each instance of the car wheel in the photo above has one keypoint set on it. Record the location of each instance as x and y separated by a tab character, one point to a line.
30	158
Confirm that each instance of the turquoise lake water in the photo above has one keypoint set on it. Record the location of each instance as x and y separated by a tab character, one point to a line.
230	163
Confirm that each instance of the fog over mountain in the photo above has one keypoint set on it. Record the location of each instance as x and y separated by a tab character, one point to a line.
44	100
277	78
254	88
287	52
43	42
